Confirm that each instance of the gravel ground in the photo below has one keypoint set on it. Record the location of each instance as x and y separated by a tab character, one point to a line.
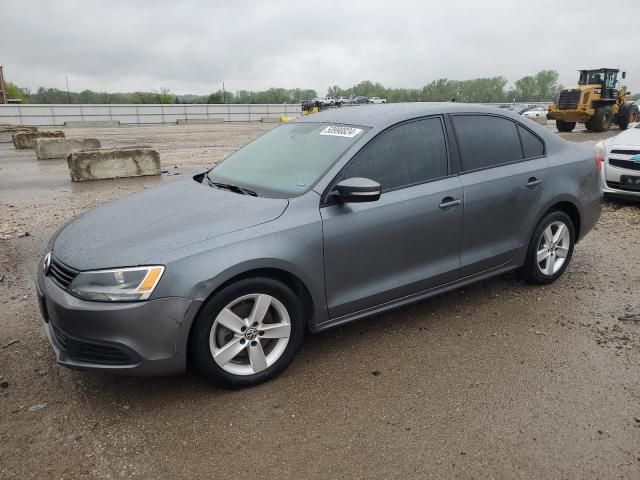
497	380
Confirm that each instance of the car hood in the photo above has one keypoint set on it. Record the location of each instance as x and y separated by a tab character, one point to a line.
628	138
139	228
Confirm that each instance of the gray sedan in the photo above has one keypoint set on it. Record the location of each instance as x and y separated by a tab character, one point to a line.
329	219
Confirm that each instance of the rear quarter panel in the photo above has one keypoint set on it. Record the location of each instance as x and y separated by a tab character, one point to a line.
574	178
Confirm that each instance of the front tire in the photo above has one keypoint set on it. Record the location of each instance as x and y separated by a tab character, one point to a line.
602	119
550	249
248	332
563	126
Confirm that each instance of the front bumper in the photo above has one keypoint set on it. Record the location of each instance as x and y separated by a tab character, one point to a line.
137	338
611	181
579	116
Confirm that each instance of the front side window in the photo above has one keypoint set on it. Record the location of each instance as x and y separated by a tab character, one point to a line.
407	154
486	141
287	160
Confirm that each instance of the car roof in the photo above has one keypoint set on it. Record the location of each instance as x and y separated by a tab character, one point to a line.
382	116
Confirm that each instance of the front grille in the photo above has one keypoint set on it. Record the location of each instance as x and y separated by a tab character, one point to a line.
569	99
62	274
626	152
88	352
617	186
628	164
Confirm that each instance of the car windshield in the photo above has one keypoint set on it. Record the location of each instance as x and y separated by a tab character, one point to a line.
288	159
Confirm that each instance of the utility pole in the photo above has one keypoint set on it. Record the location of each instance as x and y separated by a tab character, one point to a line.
68	93
3	92
224	96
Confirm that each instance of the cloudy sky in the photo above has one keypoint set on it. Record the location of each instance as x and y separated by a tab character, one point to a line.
192	46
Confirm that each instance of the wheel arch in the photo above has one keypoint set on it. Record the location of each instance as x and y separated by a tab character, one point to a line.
574	214
570	208
311	303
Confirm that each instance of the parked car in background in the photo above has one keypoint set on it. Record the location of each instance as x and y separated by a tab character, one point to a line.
360	99
536	112
321	221
322	101
377	100
520	109
343	100
621	163
329	101
308	104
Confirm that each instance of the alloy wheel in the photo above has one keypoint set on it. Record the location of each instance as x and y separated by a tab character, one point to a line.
553	248
250	334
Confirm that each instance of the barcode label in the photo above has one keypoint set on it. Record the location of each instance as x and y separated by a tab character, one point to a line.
337	131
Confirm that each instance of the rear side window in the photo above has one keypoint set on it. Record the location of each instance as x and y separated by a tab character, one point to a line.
531	144
486	141
407	154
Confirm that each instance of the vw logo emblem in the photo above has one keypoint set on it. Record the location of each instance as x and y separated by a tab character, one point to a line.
251	334
46	263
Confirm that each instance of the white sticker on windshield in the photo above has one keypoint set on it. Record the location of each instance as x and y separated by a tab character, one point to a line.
338	131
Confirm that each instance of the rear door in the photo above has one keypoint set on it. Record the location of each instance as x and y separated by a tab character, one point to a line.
504	169
408	240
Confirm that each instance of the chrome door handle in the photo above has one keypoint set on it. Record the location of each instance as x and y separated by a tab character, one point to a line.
533	182
449	202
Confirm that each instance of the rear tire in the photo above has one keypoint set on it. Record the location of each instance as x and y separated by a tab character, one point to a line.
550	249
247	333
602	120
628	114
563	126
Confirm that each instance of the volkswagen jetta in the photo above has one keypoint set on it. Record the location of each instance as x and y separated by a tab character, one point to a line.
331	218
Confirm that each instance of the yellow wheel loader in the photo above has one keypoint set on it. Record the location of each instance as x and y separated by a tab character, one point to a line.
597	101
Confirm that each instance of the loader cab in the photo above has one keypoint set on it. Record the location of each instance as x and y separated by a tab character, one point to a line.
607	78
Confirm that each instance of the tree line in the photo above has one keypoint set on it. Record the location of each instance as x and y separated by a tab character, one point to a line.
543	86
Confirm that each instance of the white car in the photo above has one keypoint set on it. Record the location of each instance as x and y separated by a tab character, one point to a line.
377	100
343	100
536	112
621	163
324	101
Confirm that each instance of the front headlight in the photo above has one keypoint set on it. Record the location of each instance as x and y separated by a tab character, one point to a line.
117	285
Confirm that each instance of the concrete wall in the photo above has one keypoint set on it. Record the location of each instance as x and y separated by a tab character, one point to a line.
113	163
47	148
57	115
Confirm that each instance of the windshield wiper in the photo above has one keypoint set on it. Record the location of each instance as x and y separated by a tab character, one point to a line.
235	188
230	187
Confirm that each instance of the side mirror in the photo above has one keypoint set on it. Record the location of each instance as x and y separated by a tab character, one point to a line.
624	75
358	190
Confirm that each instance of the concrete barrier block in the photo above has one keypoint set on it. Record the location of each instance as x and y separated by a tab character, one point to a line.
198	121
47	148
113	163
92	123
6	131
26	140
